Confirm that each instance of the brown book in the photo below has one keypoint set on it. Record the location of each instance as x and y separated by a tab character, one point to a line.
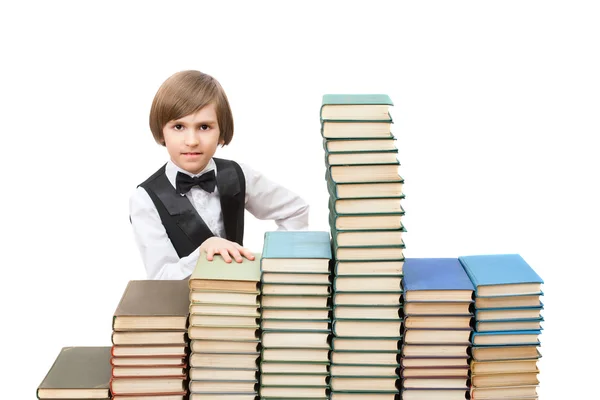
78	372
153	305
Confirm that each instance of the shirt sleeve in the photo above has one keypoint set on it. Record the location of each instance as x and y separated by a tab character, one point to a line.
158	254
266	199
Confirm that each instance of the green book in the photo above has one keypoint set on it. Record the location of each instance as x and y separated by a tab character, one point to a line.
78	372
355	107
219	275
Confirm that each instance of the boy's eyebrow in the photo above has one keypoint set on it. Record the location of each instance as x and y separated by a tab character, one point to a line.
202	122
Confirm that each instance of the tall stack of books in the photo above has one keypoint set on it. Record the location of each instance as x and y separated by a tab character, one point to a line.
295	322
365	220
78	373
223	329
149	341
438	296
507	326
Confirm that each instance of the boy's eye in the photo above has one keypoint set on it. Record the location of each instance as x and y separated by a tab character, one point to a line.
178	127
204	127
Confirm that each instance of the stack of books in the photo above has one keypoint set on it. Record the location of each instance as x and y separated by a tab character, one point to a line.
149	340
507	326
295	322
78	373
223	328
438	296
366	226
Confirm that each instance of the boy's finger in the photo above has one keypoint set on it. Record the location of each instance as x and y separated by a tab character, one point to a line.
247	253
225	254
209	254
236	255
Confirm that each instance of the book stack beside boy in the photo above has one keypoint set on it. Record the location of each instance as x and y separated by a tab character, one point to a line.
507	326
149	352
295	321
438	298
223	329
365	193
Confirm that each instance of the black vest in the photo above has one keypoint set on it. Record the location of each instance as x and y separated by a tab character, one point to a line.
184	226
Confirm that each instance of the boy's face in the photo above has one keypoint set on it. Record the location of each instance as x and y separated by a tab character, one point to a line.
192	140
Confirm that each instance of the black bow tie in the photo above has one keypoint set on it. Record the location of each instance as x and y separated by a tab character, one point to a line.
206	181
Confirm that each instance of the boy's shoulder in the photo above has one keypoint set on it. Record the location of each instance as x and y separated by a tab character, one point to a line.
160	172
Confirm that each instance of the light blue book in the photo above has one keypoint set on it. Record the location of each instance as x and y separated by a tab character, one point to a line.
296	251
501	275
506	338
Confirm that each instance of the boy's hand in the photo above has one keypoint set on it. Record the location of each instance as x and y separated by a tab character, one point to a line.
227	249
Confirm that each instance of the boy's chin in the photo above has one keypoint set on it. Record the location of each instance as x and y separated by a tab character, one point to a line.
192	167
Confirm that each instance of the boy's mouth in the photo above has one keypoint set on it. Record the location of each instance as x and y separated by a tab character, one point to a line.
191	154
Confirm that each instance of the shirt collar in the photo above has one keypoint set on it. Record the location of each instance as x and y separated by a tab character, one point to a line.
171	170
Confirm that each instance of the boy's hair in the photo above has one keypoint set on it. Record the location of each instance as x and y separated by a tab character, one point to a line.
184	93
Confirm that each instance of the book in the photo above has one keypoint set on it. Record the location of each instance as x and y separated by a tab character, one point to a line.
78	373
219	275
296	251
360	145
359	107
153	305
501	275
436	279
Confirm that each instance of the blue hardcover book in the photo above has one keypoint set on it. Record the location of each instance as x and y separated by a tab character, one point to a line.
501	275
296	251
506	338
436	279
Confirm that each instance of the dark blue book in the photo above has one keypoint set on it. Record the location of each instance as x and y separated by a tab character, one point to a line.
436	279
501	275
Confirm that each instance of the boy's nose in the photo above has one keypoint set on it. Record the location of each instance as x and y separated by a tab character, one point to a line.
191	139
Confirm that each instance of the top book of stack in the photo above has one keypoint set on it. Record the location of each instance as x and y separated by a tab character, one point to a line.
341	112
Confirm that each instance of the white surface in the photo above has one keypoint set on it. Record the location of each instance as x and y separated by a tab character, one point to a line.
496	114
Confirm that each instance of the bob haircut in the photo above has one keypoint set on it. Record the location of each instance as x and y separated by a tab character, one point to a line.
184	93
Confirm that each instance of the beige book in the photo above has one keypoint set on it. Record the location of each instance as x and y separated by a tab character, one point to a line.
503	367
446	350
363	190
206	297
294	355
148	361
299	265
437	336
204	386
353	328
369	238
376	284
145	338
372	221
363	383
359	112
149	351
295	301
221	320
224	346
369	253
147	386
436	372
430	362
341	130
494	353
294	325
149	371
295	340
219	275
365	312
223	332
293	379
223	374
367	299
435	383
437	308
375	206
333	146
433	394
504	392
293	314
362	268
269	288
365	358
448	322
363	370
340	343
224	309
215	360
507	301
294	368
293	392
495	380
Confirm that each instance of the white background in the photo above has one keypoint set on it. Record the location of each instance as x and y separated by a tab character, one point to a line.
496	114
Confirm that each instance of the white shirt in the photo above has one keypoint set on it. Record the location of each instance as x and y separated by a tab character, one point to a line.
264	199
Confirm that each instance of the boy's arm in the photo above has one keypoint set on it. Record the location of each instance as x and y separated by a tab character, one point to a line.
158	254
266	199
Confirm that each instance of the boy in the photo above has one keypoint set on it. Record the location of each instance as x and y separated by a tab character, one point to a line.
195	203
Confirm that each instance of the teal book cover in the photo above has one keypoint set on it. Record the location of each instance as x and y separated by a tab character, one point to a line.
297	244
